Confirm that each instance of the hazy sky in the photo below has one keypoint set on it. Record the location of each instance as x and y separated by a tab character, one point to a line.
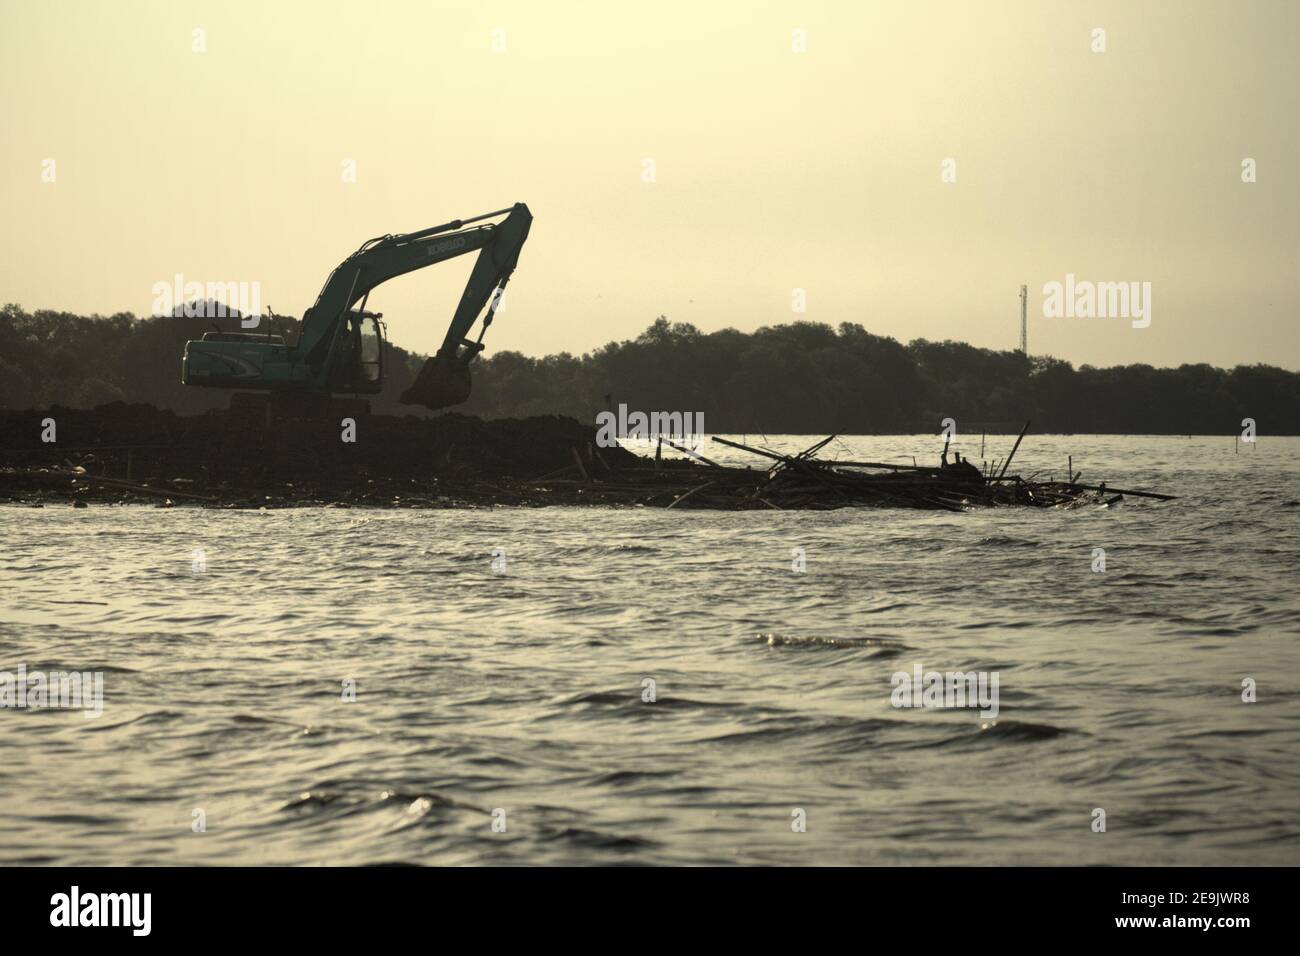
775	169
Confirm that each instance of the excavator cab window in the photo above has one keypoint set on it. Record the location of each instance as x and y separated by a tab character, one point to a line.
369	339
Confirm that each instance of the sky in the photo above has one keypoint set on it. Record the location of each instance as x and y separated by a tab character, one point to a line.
907	164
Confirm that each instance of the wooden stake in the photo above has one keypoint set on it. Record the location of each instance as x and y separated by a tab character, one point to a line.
1013	450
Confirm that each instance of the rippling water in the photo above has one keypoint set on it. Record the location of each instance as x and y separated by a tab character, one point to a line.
480	692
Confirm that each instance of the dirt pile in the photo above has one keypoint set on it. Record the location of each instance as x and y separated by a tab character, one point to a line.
121	452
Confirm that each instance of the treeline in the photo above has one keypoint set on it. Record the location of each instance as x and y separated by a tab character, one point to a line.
800	378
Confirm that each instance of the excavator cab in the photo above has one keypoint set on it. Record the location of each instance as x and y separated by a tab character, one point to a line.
442	382
363	367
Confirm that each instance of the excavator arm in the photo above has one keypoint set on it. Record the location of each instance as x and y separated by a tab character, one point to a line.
444	380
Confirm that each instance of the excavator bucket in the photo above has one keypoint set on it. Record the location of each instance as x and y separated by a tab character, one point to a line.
442	382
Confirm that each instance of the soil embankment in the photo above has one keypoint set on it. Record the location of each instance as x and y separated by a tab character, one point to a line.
138	453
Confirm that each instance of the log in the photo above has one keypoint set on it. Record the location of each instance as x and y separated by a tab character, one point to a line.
687	451
879	464
756	451
1124	491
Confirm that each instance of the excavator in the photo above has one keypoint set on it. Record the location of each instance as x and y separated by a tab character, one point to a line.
340	344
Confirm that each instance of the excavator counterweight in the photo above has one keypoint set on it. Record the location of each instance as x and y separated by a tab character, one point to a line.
340	344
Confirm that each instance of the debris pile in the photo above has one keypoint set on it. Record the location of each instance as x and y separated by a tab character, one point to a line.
122	454
802	482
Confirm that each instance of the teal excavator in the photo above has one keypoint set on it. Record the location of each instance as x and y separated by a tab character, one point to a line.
340	347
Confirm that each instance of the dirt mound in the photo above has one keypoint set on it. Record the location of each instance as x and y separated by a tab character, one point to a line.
237	457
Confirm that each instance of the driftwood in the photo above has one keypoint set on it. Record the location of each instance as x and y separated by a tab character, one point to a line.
802	481
1124	491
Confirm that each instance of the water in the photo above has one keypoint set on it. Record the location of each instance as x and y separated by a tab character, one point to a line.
522	692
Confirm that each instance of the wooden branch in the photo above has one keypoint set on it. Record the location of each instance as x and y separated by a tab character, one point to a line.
1013	450
682	497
